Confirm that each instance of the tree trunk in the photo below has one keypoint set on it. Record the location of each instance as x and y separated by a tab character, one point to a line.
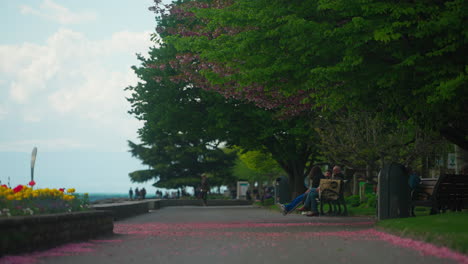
355	184
296	184
369	172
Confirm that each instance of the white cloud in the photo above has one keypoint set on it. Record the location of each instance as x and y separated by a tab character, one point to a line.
74	79
71	69
55	12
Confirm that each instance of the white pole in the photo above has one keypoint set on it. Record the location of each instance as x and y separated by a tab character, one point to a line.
33	161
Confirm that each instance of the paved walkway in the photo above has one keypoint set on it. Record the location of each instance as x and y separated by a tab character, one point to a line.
242	234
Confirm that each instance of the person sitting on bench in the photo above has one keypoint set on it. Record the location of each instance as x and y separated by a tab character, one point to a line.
314	180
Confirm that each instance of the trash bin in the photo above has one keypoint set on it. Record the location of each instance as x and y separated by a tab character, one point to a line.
282	194
394	194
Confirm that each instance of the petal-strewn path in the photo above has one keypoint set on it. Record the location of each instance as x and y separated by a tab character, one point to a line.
242	234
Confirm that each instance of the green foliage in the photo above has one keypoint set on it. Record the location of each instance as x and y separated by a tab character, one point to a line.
353	200
371	201
256	166
242	172
260	162
406	60
179	140
362	139
185	127
266	203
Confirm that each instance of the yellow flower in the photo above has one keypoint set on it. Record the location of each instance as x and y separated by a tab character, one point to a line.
68	197
71	190
10	197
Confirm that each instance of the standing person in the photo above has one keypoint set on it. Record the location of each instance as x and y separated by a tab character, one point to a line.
337	174
204	188
248	196
130	193
255	194
143	193
137	193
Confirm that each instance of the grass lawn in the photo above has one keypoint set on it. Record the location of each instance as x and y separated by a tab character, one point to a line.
446	229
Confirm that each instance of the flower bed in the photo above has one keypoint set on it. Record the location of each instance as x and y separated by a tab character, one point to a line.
32	219
24	200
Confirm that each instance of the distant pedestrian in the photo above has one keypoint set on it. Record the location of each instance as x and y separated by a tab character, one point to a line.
255	194
204	188
130	193
413	180
143	193
248	195
137	194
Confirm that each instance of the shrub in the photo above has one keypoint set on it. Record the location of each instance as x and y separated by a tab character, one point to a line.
267	202
353	200
371	200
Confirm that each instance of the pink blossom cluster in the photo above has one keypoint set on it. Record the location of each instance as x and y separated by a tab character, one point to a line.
191	68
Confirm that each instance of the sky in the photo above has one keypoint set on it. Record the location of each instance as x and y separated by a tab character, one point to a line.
63	69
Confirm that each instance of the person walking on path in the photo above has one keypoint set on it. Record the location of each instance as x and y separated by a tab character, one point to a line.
130	193
204	188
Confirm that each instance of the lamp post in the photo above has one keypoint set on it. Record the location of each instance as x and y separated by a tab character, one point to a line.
33	160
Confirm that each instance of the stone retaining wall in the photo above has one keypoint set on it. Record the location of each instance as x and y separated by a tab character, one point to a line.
133	208
20	234
125	209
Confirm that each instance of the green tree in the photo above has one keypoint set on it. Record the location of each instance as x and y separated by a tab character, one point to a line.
177	142
405	59
185	123
265	167
184	127
366	141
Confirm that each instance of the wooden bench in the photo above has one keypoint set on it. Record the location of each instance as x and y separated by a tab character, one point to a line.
331	193
448	192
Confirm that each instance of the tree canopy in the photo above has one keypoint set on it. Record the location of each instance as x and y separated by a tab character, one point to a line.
405	59
277	76
185	128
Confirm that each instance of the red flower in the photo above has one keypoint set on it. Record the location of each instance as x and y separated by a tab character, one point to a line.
18	188
62	189
4	185
32	183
